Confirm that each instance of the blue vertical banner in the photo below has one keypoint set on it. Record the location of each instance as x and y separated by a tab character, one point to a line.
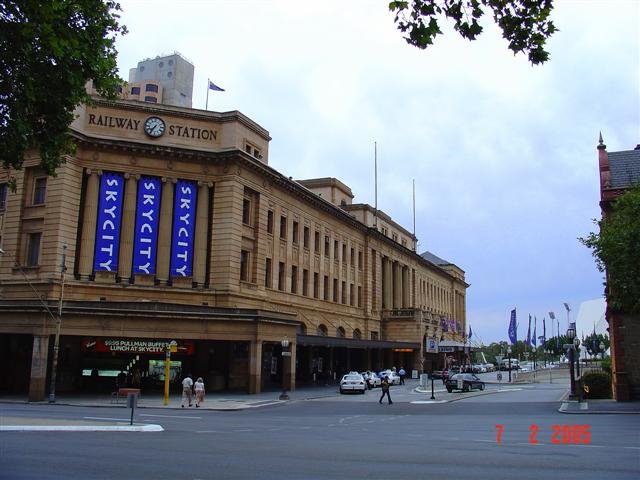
513	328
444	324
184	220
145	239
452	325
109	221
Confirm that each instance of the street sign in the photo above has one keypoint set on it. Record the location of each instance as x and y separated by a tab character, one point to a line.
499	376
286	354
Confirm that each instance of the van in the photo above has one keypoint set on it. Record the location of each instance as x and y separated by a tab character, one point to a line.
504	364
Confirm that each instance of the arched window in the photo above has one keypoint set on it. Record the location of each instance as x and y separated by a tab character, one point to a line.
322	330
357	334
340	332
302	329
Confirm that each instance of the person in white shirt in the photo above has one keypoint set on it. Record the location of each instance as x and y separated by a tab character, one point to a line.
187	386
199	389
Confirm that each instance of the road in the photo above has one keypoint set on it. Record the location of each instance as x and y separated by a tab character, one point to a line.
345	437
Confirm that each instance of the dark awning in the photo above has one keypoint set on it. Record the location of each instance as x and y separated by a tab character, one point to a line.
315	340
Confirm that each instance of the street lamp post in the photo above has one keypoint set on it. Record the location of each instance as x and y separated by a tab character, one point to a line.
285	353
509	353
56	341
601	352
534	364
571	333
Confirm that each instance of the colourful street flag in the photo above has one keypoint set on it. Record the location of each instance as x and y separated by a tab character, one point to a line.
535	327
528	342
513	328
470	332
544	331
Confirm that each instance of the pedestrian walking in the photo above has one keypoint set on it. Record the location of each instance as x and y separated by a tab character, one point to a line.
187	390
402	373
385	390
199	389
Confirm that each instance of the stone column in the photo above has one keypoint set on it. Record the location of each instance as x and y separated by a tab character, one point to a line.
125	256
202	225
291	368
39	358
255	367
164	230
405	286
89	219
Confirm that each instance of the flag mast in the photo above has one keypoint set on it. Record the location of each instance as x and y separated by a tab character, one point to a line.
375	169
206	107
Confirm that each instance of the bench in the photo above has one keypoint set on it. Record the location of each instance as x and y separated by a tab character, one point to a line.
123	393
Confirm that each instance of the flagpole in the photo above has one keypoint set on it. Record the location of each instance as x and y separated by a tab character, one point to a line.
207	103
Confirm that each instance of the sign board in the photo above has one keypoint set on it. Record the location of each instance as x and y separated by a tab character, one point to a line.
135	345
499	376
431	345
286	354
442	349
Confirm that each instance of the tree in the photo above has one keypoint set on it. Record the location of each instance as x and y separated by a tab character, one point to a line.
617	250
525	24
593	341
49	49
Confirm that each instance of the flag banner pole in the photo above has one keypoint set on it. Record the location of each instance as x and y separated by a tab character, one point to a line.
207	103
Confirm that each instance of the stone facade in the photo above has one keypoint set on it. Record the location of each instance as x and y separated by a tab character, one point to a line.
268	258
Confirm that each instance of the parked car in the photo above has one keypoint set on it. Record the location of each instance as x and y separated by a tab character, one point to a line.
504	364
490	367
468	381
393	377
479	368
371	379
437	374
353	382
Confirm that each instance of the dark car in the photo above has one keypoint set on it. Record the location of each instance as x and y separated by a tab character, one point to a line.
464	382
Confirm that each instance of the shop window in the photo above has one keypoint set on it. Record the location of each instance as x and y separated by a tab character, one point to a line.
39	190
33	249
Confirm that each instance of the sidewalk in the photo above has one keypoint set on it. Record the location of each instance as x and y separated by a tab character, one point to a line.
603	407
213	401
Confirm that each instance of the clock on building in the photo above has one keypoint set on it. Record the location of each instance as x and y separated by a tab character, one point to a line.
154	126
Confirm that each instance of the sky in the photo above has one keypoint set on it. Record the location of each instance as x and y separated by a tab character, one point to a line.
503	153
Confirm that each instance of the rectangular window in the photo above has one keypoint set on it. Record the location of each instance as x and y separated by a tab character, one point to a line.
374	335
246	211
353	257
294	279
343	291
335	250
267	272
305	237
244	265
394	237
351	295
326	287
344	253
316	242
270	222
33	249
326	246
283	228
335	290
135	90
359	296
305	282
359	260
3	195
280	276
150	87
294	233
404	242
150	99
39	190
316	285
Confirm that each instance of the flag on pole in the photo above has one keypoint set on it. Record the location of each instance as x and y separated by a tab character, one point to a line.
528	342
214	87
535	326
544	331
470	332
513	328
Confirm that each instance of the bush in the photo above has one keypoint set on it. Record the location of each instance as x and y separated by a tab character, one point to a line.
598	383
606	365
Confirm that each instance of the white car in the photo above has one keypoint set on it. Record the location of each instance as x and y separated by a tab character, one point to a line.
353	382
372	379
393	377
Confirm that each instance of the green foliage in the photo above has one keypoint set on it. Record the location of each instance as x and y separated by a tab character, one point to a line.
617	249
592	343
49	49
525	24
599	384
606	365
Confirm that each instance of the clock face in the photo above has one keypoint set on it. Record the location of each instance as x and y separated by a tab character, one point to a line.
154	126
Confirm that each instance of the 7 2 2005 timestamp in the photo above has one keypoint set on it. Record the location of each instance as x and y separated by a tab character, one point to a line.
560	434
